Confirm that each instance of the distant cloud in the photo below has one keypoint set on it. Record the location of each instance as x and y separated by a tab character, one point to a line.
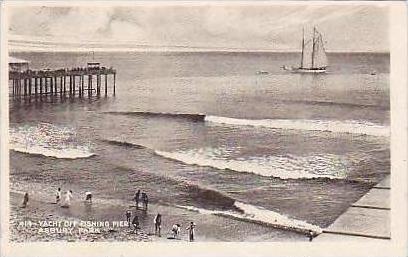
251	27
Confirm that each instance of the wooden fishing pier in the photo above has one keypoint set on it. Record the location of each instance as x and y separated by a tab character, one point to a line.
74	82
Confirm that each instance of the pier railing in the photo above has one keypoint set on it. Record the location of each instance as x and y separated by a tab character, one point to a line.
72	82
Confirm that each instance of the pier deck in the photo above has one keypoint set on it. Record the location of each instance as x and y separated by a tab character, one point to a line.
367	219
73	82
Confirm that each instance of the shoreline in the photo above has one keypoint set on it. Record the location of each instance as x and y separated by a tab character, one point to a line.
210	228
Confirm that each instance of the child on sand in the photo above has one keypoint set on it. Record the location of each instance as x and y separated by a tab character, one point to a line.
176	231
88	196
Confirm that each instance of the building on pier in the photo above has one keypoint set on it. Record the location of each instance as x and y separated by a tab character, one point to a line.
18	65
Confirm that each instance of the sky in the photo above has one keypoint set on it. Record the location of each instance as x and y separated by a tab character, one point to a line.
182	27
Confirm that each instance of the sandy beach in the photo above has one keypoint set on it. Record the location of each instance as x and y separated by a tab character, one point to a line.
41	208
35	230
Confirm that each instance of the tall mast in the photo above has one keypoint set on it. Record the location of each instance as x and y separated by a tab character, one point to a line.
303	47
313	48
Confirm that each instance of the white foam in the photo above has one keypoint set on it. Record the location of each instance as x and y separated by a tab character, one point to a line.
349	126
261	216
61	154
48	140
285	167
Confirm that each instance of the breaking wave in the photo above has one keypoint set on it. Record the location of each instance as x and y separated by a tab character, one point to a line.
284	167
48	140
261	216
351	126
348	126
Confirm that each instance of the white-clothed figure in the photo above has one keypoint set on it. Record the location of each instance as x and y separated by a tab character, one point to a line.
67	200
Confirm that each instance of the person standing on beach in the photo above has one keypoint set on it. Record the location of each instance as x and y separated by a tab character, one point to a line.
25	200
135	223
58	196
128	216
145	200
157	224
136	198
191	231
310	235
67	201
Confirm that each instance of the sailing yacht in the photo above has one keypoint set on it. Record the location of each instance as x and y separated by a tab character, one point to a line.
313	59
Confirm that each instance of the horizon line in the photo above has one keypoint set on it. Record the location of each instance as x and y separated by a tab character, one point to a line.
164	50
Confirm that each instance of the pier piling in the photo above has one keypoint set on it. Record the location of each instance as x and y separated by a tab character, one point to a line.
49	83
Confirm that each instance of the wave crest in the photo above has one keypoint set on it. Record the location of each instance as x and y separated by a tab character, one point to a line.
284	167
261	216
335	126
350	126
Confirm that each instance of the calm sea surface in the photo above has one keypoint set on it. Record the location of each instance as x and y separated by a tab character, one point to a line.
301	146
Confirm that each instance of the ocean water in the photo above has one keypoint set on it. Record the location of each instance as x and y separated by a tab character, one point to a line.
203	132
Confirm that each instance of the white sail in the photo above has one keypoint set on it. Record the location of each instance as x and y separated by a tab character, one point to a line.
319	54
307	55
313	53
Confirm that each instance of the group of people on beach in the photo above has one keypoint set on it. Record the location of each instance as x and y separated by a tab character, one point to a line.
66	203
143	198
67	200
157	221
176	230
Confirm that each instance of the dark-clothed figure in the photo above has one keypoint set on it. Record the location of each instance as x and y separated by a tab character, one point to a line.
135	223
58	195
310	235
128	216
191	231
145	200
25	200
136	198
157	224
88	197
